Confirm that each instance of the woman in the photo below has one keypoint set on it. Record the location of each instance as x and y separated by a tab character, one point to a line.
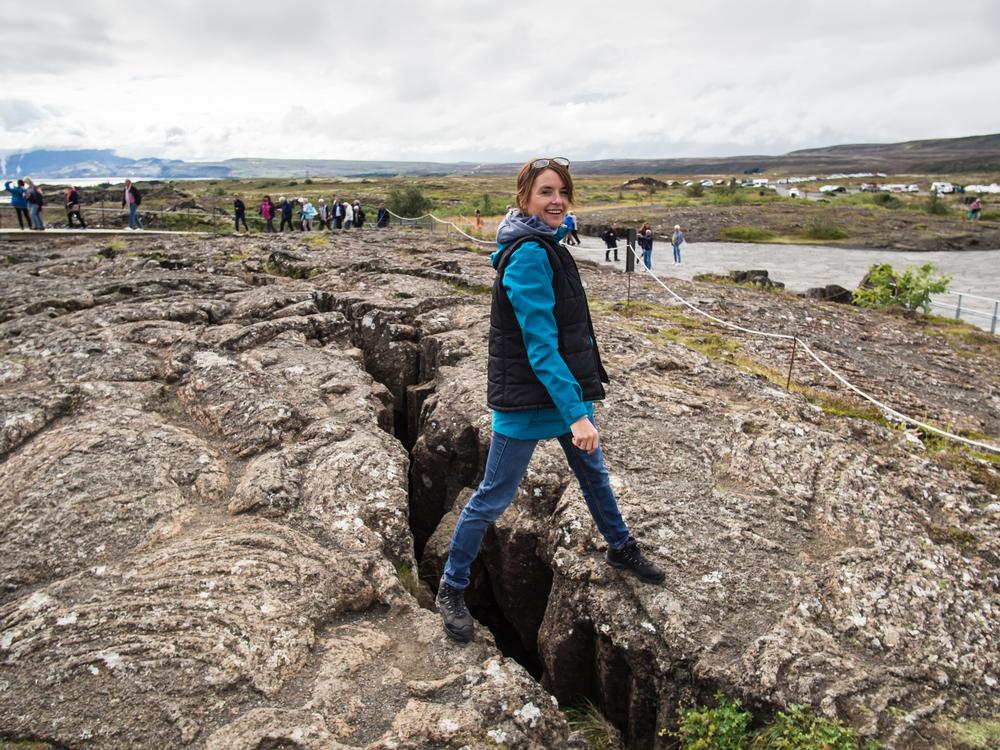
646	243
36	201
321	215
267	213
240	213
676	239
286	213
73	208
359	214
306	214
19	200
132	198
544	374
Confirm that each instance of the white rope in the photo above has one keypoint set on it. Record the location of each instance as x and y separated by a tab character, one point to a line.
451	224
833	373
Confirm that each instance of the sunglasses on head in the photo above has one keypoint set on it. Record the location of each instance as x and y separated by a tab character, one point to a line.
542	163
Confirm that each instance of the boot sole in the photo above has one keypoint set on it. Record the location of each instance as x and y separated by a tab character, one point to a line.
644	579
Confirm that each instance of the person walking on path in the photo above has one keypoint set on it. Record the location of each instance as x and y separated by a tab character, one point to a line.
267	214
477	221
338	212
610	238
676	239
571	226
975	209
19	200
645	241
240	213
382	218
132	198
322	215
544	374
286	214
36	202
359	214
306	214
73	208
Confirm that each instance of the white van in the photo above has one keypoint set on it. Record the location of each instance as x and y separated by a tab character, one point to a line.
942	187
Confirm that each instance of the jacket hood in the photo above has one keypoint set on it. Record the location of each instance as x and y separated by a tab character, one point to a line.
516	225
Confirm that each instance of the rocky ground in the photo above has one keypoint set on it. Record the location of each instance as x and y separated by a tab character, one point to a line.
864	227
229	468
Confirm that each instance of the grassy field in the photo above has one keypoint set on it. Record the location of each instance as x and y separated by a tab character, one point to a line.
732	213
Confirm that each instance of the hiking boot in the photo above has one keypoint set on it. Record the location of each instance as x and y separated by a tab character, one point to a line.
450	602
630	558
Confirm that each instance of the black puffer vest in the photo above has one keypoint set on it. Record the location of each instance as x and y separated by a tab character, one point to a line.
512	384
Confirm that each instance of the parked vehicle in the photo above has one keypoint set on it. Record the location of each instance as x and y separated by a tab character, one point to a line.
794	193
870	187
942	187
913	188
833	189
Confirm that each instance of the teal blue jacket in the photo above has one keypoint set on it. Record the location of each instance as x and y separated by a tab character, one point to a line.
528	283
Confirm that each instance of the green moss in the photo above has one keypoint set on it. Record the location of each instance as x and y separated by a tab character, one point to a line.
964	540
408	578
981	735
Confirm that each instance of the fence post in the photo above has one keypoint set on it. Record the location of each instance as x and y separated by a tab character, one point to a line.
958	308
993	323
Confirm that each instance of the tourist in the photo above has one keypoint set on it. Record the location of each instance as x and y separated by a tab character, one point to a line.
544	374
382	218
322	215
975	209
572	238
676	239
645	240
266	212
306	214
359	214
286	214
73	208
36	202
338	212
240	213
477	222
610	238
132	198
19	200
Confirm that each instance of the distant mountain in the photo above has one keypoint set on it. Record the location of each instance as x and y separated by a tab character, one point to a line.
979	153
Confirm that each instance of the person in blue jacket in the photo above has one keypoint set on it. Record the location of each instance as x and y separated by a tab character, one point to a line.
544	374
19	200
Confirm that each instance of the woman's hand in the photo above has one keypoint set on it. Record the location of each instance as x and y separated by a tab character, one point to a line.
585	436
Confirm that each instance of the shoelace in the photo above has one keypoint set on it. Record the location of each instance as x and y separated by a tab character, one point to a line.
451	599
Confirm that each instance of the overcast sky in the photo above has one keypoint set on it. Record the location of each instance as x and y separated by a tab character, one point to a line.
483	80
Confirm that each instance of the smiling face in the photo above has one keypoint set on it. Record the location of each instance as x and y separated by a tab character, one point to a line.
548	199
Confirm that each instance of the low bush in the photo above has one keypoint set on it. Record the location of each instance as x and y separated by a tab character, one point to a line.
800	729
935	205
886	200
824	228
721	728
695	191
409	203
884	287
746	234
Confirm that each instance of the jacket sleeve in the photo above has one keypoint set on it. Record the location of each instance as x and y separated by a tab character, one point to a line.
528	282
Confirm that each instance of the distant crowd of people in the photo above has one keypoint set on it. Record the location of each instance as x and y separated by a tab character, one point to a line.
337	215
644	239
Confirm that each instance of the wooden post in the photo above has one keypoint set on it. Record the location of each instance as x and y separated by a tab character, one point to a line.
791	364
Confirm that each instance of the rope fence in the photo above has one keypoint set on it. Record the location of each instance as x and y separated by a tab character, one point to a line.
430	219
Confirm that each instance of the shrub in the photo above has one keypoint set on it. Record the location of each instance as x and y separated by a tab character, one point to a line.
409	203
937	206
721	728
801	729
695	191
824	228
746	234
886	200
307	181
883	287
599	733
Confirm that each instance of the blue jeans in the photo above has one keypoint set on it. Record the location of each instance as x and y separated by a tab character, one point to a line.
647	258
134	222
677	253
505	467
36	216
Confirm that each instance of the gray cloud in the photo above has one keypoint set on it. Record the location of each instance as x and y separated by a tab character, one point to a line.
478	81
19	114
